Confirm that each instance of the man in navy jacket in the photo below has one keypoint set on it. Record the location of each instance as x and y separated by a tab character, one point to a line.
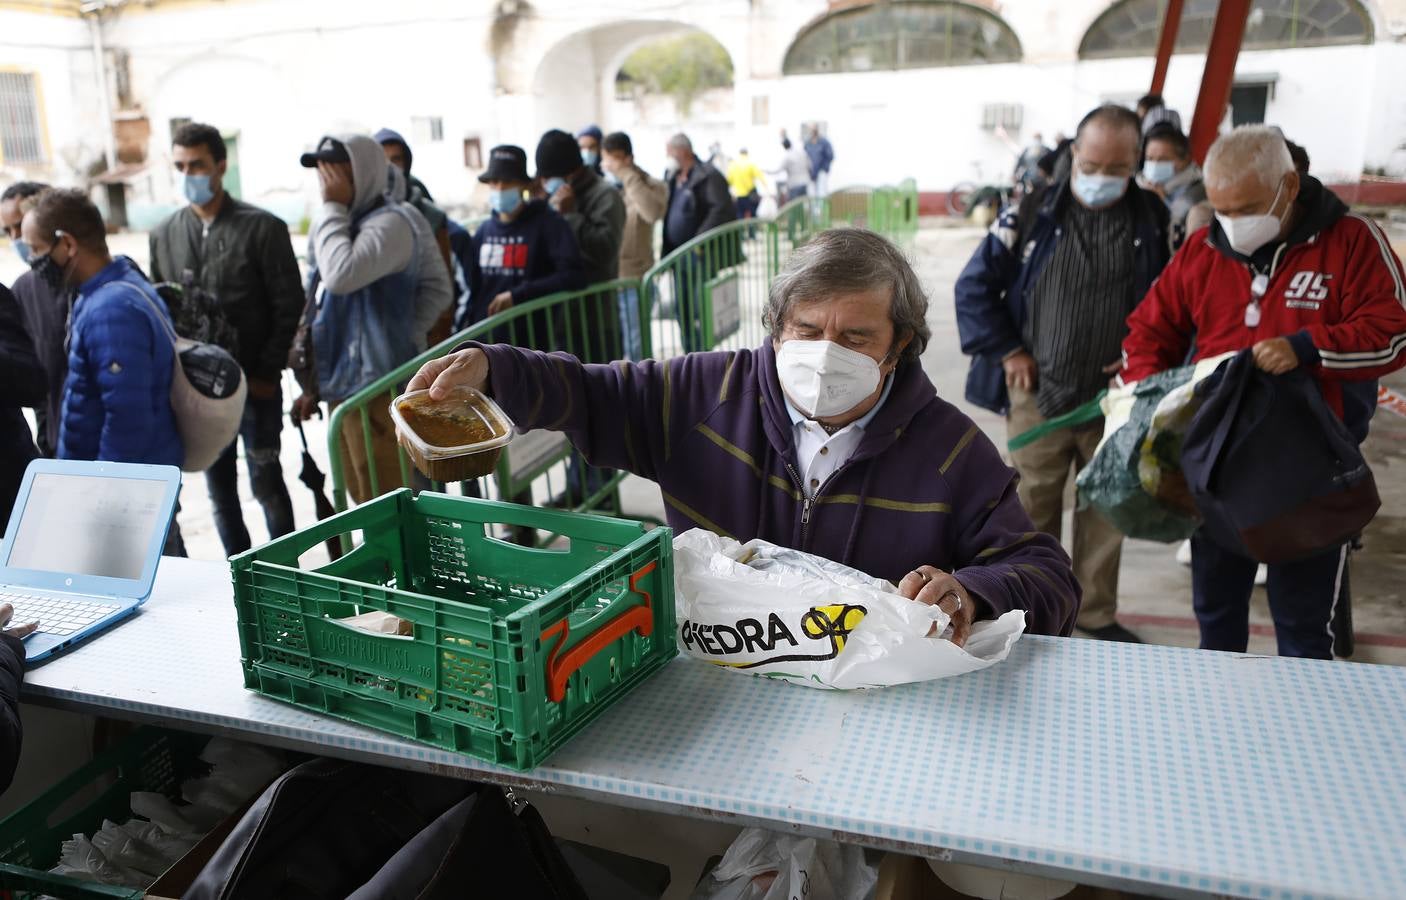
1041	309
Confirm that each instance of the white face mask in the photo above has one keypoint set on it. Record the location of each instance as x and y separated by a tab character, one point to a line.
824	379
1247	234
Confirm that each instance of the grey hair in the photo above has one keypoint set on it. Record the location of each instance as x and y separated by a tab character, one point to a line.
680	141
1248	150
845	260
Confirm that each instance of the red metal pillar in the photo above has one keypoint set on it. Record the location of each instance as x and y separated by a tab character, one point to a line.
1219	75
1171	24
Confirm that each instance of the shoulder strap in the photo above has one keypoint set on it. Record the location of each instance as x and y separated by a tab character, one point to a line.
170	330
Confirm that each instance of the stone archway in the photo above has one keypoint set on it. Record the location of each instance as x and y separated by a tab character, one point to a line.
574	84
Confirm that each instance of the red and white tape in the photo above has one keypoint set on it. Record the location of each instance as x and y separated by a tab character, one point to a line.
1389	399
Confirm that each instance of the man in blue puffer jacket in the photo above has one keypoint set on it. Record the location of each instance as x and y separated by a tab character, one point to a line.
117	397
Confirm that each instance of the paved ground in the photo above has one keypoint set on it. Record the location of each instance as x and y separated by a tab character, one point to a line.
1155	590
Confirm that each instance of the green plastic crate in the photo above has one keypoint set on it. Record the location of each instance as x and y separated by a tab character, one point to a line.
148	759
515	649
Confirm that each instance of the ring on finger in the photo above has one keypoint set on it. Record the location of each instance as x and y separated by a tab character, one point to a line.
955	596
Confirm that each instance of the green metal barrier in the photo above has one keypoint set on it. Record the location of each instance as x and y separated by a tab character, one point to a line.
708	294
533	469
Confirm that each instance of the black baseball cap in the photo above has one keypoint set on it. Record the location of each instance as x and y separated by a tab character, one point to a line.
329	150
558	154
506	163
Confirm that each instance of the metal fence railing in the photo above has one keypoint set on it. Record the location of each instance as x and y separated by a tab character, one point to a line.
540	467
708	294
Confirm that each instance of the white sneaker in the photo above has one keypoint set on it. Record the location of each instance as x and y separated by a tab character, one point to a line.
1262	576
1184	553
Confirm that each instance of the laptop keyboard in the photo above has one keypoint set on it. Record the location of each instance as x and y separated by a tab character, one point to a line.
56	616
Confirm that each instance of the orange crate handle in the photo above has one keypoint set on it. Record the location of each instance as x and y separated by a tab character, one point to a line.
636	618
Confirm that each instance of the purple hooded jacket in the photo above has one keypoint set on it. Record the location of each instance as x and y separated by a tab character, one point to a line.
924	487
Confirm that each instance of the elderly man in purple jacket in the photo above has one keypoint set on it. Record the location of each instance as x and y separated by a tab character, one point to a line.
829	438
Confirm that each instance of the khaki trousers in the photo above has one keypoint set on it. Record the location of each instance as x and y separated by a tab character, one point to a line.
1045	469
356	468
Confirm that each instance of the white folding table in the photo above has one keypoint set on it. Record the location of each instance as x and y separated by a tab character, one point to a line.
1161	770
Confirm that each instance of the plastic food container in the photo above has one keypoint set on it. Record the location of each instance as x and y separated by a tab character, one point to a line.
458	438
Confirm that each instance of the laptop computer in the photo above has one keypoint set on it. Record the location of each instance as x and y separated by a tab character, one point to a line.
82	546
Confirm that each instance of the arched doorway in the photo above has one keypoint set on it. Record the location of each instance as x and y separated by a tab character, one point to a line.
575	85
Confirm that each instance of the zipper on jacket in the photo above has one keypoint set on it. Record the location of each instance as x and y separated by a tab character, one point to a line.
807	502
805	498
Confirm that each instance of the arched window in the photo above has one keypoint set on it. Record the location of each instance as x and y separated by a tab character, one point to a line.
904	34
1131	27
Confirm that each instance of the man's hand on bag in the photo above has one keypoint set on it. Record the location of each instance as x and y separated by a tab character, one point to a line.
19	631
463	368
1020	371
501	303
1276	356
931	585
1113	369
304	408
260	389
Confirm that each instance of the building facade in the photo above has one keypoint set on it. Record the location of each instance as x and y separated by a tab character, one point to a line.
939	91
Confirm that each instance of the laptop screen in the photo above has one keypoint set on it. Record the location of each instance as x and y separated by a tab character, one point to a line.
88	525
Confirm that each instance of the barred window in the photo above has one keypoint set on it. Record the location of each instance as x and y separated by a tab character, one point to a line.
21	142
904	34
1132	27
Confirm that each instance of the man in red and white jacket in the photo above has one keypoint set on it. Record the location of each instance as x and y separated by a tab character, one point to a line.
1285	268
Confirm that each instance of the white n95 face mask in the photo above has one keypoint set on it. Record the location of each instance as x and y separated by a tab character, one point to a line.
824	379
1247	234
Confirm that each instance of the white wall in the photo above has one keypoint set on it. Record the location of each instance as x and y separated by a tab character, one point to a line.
1386	104
58	52
282	74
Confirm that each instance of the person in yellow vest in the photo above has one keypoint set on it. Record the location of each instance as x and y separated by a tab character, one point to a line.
743	176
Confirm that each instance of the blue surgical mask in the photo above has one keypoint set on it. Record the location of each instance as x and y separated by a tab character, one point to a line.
505	201
1098	191
197	189
22	250
590	158
552	185
613	179
1159	171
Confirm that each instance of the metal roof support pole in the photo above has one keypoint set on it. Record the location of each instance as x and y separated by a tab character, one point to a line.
1218	76
1171	24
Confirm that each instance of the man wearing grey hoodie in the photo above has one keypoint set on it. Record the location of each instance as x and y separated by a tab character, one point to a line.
380	285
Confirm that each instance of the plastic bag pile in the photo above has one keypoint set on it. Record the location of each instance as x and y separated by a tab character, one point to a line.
761	609
136	853
766	865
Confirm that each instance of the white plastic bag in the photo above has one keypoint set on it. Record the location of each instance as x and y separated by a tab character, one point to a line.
766	610
765	865
80	856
